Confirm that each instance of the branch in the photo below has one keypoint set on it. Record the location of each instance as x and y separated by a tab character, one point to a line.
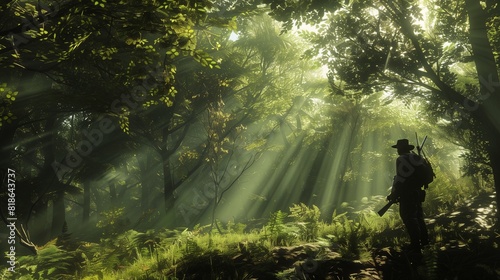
26	240
248	164
23	235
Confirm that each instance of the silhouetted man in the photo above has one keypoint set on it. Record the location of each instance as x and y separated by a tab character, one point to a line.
407	189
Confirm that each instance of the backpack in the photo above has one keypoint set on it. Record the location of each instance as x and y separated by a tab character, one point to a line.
415	168
426	172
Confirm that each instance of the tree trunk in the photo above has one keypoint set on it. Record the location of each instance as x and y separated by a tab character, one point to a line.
58	214
168	185
7	131
112	194
148	172
485	61
489	86
353	125
313	178
495	166
50	180
86	201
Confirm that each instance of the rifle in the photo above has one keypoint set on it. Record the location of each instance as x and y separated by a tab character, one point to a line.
420	148
384	209
422	154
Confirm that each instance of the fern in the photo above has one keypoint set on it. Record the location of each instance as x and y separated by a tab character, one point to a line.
430	260
150	240
307	220
348	236
192	248
50	263
276	222
276	231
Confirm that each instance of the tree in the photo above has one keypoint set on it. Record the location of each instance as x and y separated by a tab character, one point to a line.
223	146
263	86
382	45
276	98
104	59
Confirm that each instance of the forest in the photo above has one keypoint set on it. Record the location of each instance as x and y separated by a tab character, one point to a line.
251	139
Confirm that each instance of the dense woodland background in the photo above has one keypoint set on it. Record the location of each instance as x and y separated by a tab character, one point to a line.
138	116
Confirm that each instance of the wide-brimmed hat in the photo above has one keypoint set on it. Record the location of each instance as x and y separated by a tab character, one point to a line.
403	144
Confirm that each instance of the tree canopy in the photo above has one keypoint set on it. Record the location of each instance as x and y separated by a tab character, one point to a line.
120	115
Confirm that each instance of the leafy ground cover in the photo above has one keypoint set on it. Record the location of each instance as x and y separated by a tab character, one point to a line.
288	245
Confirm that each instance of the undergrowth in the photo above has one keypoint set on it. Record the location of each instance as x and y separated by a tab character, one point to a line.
237	252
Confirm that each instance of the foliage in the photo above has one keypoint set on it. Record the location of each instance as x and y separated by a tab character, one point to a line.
299	12
277	231
439	197
7	97
50	263
354	235
258	94
413	50
307	219
112	221
183	254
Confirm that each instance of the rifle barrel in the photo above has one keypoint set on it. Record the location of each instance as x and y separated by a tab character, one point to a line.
423	142
384	209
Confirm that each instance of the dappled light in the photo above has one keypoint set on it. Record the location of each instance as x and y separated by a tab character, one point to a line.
249	139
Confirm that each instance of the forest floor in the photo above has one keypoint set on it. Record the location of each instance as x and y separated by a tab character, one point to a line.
451	261
466	248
